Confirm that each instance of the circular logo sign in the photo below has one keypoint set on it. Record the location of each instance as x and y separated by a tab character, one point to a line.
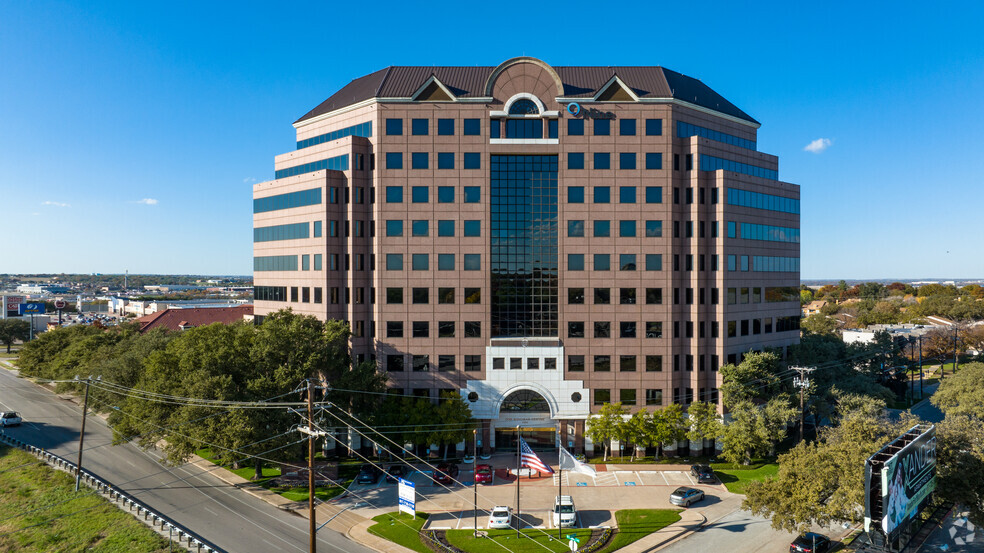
60	304
574	109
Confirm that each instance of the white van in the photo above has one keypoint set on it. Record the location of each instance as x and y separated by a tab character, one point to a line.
564	513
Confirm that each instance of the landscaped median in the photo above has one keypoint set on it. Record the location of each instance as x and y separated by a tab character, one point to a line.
634	524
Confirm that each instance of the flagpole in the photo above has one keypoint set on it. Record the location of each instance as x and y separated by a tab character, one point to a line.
519	463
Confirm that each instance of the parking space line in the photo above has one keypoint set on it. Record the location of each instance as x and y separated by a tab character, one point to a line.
664	478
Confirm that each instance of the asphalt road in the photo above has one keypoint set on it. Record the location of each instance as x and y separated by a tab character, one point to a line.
738	532
228	517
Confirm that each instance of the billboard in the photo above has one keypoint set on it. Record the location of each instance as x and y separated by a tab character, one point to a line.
408	497
31	308
898	480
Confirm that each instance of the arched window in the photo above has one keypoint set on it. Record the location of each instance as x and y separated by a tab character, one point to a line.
526	401
524	106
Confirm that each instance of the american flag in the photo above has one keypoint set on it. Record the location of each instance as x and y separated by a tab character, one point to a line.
529	459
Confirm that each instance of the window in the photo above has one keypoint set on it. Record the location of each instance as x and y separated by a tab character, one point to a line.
575	160
602	160
445	127
627	229
533	363
445	160
421	329
627	127
445	262
394	295
732	262
305	262
602	296
394	329
420	228
394	363
420	261
654	296
627	396
627	161
317	262
602	229
394	160
394	262
602	262
575	363
575	329
394	127
575	228
575	296
654	194
602	127
654	262
473	160
654	363
602	329
317	229
627	296
473	194
445	296
654	329
473	329
602	363
473	262
602	396
654	127
419	194
575	262
445	329
473	363
473	227
575	127
654	229
394	194
419	160
473	295
602	194
445	363
420	295
575	194
627	329
472	127
421	363
445	227
498	363
419	127
627	262
495	128
654	160
552	128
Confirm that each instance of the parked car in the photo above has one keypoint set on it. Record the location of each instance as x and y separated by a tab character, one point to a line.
395	472
703	473
483	474
564	513
501	517
684	497
368	474
9	418
446	473
810	542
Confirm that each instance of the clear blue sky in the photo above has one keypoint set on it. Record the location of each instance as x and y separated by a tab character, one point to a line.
131	132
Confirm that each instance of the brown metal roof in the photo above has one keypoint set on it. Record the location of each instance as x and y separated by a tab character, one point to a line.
579	82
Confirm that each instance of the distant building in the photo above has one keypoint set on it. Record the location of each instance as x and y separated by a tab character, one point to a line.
813	307
43	289
184	319
867	335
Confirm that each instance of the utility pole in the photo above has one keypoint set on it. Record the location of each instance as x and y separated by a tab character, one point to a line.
85	407
802	382
312	522
920	368
955	361
475	477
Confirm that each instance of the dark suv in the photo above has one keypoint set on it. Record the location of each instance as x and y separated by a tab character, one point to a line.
703	474
810	543
367	475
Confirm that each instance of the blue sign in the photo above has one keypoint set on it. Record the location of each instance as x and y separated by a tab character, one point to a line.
574	109
30	309
407	497
582	483
630	483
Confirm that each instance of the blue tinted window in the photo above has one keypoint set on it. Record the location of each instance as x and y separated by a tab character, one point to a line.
275	263
575	262
654	127
472	127
419	127
394	127
654	262
771	264
473	227
420	261
337	163
300	198
575	160
394	262
627	160
394	194
419	195
445	160
362	129
394	160
602	160
602	195
495	128
757	200
445	194
626	228
712	163
284	232
575	228
627	127
732	229
419	160
394	227
445	262
627	262
627	194
420	228
445	228
552	128
445	127
602	127
575	194
524	128
317	229
654	229
602	229
654	160
575	127
686	130
473	160
473	194
473	262
654	194
602	262
768	233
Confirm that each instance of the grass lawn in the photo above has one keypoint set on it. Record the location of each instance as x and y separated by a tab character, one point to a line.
400	528
323	493
533	540
43	513
634	524
736	479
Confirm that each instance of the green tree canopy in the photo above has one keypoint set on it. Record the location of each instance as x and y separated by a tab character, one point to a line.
755	377
963	393
608	425
12	330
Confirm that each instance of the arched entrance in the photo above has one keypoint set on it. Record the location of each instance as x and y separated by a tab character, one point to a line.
531	412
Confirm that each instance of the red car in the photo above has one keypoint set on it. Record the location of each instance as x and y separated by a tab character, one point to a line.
446	473
483	474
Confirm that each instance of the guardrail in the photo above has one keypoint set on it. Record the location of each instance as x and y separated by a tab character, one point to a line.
122	499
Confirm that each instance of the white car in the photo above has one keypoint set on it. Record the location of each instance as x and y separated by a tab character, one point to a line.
9	418
501	517
564	513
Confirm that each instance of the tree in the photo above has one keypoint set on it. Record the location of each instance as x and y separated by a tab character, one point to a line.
454	419
775	418
960	460
743	437
818	323
637	430
608	425
963	393
667	425
806	296
703	422
14	329
754	377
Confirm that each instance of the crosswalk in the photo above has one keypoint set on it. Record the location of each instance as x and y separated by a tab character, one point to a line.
627	478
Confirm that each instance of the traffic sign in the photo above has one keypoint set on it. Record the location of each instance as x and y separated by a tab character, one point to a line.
30	308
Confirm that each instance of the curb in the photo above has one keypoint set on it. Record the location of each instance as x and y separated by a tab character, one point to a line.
359	533
680	534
